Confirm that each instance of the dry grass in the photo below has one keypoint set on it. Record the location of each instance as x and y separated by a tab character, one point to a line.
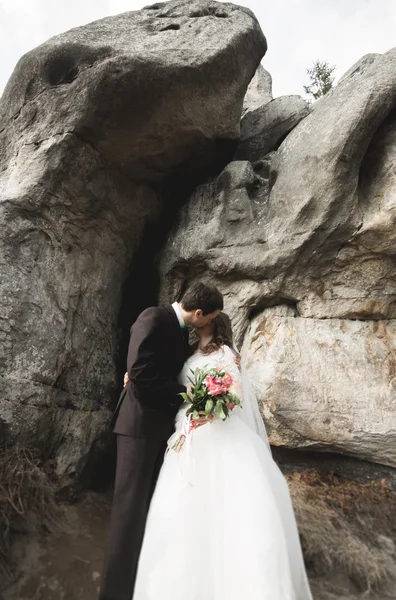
27	500
346	526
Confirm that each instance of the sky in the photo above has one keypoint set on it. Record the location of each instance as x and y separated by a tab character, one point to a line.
298	32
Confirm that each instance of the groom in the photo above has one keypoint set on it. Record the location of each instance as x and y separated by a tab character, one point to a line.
144	420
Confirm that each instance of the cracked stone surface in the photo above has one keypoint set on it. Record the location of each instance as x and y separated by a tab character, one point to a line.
310	228
146	89
264	128
92	123
326	384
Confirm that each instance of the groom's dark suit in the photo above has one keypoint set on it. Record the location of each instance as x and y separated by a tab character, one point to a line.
144	419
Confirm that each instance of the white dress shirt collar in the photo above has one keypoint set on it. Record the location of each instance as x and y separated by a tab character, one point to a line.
177	310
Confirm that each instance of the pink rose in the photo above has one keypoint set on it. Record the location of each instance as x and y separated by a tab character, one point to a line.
227	380
213	385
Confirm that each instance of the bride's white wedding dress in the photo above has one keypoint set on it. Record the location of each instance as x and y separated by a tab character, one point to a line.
221	525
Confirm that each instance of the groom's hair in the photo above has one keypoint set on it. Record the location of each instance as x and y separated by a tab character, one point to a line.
206	297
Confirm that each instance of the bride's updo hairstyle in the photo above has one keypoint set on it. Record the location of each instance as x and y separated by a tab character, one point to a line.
222	334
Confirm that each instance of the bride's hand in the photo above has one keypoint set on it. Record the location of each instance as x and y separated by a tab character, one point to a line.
238	362
202	420
126	379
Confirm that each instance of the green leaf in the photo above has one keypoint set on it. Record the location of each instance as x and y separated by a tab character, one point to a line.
185	397
209	407
222	414
234	399
218	409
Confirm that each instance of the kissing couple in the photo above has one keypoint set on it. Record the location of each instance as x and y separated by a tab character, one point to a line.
212	518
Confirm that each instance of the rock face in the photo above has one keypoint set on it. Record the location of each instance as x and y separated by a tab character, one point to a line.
298	231
363	63
92	125
264	128
326	383
259	91
311	228
145	89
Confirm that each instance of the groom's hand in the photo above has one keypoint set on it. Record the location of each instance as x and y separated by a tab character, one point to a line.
238	362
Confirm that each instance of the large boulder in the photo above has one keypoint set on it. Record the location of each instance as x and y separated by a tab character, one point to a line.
310	227
215	232
325	384
265	127
93	123
259	91
318	211
152	90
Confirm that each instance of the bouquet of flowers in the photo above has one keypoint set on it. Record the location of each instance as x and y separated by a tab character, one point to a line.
210	397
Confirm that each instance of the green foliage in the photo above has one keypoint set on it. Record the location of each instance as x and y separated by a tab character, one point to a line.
321	76
209	406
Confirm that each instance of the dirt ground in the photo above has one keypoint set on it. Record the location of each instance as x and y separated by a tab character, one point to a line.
65	566
348	533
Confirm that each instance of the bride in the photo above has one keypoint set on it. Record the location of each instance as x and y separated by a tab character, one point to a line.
221	525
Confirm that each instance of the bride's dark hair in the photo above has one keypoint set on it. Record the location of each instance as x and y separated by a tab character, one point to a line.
222	335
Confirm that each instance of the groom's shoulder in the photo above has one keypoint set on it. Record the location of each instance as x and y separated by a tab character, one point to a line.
153	314
154	311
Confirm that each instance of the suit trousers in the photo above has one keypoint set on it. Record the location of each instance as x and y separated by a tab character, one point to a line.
139	461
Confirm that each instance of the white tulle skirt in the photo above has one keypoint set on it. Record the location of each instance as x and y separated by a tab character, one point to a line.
221	525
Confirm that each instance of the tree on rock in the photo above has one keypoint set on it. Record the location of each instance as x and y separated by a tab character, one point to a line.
321	76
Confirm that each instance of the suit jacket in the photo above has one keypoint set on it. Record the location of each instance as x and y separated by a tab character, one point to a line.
158	348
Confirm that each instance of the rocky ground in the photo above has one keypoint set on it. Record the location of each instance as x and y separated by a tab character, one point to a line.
347	529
